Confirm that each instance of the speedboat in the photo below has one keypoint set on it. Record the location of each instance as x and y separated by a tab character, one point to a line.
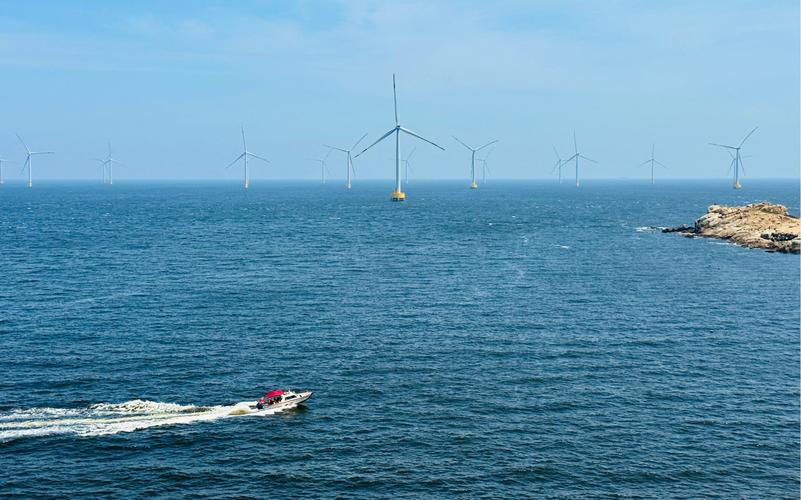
281	399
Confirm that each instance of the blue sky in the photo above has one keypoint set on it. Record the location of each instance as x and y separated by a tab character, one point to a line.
170	83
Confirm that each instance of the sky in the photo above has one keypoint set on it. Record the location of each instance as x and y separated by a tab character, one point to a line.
171	83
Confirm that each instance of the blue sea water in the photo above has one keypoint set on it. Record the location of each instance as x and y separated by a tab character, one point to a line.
522	339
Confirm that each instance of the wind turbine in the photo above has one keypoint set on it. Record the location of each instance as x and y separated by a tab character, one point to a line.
406	165
103	165
473	184
484	167
742	165
557	167
349	167
3	160
323	166
28	162
244	156
653	162
737	161
576	157
108	164
110	161
397	195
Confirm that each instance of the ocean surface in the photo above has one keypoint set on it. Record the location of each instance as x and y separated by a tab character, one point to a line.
522	339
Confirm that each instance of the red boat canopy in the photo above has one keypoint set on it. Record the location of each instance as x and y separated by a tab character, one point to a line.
273	394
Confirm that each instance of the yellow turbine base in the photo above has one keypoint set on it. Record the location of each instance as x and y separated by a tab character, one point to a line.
473	185
348	186
247	184
738	186
30	184
398	196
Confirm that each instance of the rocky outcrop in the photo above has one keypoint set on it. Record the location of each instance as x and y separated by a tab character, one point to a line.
759	225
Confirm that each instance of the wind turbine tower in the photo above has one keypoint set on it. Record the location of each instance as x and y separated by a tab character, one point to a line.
484	167
108	166
349	167
576	157
398	194
244	156
557	167
29	158
103	166
323	166
737	161
473	184
653	162
406	165
110	161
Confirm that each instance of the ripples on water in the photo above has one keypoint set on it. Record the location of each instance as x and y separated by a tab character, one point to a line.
520	339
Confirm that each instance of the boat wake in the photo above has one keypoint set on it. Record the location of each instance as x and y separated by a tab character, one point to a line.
111	418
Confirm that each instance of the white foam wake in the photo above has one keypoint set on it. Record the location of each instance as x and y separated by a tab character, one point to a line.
111	418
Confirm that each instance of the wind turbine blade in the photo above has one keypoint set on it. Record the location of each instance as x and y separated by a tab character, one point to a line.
327	154
421	138
487	144
379	140
258	157
570	159
23	142
660	164
742	165
721	145
588	159
731	164
556	165
575	144
556	152
244	144
237	159
395	98
410	154
463	144
25	165
338	149
42	152
357	142
646	162
746	138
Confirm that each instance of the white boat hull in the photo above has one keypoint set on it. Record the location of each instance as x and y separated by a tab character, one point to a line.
288	401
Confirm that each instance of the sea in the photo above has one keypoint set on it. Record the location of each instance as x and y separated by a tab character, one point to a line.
521	340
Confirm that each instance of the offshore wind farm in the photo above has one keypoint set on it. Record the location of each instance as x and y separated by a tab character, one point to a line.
107	163
400	249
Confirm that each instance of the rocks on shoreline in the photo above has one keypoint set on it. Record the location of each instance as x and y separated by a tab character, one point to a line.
759	225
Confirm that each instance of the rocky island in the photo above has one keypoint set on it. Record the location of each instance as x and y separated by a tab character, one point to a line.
759	225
